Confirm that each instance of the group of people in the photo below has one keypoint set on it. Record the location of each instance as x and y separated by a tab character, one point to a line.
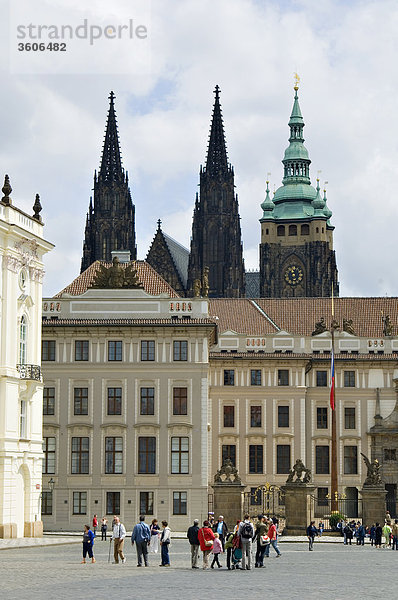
214	539
355	529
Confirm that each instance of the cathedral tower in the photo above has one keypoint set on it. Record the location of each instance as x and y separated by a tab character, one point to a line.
216	234
110	220
296	250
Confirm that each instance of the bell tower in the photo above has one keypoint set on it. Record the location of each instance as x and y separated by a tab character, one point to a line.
296	250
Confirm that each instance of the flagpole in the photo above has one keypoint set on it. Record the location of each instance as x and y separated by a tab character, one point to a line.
334	478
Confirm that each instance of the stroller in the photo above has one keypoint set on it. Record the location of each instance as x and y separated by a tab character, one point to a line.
236	553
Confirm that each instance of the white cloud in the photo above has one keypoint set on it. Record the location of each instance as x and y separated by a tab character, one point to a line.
345	54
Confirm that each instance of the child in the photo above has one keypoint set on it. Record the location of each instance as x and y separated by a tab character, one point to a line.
217	549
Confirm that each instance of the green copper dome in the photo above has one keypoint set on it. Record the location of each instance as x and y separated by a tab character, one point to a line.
296	199
267	206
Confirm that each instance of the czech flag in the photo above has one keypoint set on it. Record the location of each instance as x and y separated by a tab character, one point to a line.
332	383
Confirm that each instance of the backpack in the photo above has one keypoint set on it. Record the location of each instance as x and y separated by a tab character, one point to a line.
247	531
228	541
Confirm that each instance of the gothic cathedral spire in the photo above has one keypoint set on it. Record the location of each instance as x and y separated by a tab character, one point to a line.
216	234
110	222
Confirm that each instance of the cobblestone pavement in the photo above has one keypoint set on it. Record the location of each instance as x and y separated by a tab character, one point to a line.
332	572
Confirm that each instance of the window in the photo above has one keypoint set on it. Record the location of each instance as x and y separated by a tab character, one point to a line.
146	455
292	229
390	454
255	416
349	378
255	377
350	460
22	341
282	458
46	503
81	350
256	497
180	455
322	460
322	496
147	401
115	351
48	350
180	395
113	503
229	377
114	401
49	401
349	418
148	350
180	350
22	420
229	416
48	464
256	458
146	503
280	230
283	416
79	503
305	230
113	455
229	451
80	455
283	377
321	378
81	401
179	503
322	417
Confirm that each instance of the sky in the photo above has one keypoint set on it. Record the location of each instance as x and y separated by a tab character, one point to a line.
54	109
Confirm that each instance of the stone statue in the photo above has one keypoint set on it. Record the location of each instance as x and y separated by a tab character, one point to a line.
196	288
387	326
228	471
116	277
373	476
348	326
205	282
334	324
320	327
303	475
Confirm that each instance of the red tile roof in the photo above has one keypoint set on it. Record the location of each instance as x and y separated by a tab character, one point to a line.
152	282
239	315
299	315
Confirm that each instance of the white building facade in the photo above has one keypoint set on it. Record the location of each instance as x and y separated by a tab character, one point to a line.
21	389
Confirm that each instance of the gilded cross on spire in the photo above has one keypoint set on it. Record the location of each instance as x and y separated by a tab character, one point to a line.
296	81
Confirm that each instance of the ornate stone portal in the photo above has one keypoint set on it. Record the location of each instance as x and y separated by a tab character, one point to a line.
298	490
228	494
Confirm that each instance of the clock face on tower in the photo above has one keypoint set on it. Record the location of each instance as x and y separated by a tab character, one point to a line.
293	275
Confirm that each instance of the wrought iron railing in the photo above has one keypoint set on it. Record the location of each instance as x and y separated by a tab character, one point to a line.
29	372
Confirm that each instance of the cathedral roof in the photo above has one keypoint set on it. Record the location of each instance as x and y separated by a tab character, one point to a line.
152	282
180	256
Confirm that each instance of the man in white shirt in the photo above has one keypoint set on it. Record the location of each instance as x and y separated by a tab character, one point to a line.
118	535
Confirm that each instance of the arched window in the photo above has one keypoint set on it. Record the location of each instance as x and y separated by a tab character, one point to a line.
305	229
266	231
22	341
292	229
280	230
317	230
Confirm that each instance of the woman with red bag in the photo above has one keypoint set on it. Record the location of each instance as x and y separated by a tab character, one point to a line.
206	537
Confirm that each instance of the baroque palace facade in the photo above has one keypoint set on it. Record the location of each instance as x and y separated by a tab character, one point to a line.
155	376
146	393
21	273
